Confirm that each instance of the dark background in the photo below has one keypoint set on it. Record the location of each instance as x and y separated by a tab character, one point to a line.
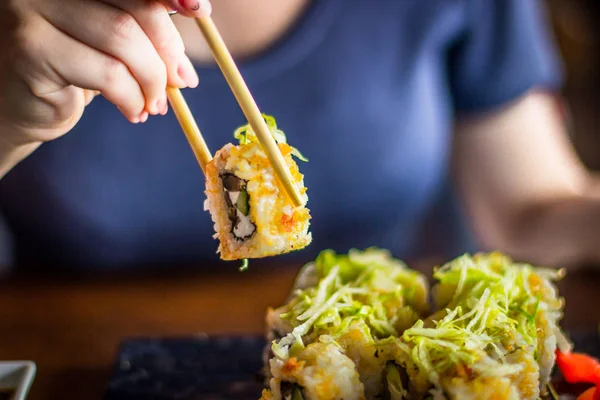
577	28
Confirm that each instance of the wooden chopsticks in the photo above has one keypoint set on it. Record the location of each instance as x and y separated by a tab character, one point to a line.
248	106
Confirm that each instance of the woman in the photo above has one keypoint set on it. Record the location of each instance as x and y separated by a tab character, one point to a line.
382	96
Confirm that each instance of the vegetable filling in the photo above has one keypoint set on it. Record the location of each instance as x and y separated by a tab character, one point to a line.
238	206
396	382
291	391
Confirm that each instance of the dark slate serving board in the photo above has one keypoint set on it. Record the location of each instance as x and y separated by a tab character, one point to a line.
195	368
216	368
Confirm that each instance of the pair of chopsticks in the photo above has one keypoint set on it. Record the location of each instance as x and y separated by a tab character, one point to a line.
247	104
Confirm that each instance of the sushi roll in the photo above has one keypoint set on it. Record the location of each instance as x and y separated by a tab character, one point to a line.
352	301
535	305
493	336
252	214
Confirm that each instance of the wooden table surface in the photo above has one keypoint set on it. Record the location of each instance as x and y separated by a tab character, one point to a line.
72	327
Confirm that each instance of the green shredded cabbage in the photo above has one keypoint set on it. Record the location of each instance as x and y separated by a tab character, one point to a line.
245	134
495	304
369	286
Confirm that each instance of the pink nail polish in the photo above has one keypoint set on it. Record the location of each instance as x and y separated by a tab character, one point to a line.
200	8
188	4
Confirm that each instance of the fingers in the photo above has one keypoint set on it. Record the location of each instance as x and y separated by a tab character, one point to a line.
190	8
117	34
87	68
153	18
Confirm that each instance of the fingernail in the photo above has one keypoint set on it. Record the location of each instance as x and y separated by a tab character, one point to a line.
187	73
160	105
199	8
157	107
165	108
143	117
133	120
205	8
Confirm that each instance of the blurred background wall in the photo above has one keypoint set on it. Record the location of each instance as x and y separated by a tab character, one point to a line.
577	28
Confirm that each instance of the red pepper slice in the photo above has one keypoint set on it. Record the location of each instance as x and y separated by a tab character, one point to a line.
578	368
591	394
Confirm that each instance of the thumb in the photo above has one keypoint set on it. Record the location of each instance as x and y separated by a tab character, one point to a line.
190	8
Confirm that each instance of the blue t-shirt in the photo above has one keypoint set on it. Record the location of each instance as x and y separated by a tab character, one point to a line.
367	89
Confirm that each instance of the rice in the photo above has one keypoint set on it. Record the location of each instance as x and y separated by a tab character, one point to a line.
321	371
481	389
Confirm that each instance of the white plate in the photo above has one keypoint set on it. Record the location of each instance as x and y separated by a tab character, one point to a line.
18	377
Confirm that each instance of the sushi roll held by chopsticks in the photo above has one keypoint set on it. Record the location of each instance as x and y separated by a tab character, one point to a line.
252	214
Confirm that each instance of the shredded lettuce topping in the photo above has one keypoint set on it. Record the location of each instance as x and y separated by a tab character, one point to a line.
520	291
492	313
245	134
368	286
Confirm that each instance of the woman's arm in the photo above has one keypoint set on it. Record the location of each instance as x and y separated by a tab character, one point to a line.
525	189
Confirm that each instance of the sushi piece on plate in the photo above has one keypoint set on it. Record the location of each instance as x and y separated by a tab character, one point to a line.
252	214
350	301
494	335
529	293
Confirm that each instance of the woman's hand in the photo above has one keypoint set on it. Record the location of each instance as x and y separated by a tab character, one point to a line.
56	55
